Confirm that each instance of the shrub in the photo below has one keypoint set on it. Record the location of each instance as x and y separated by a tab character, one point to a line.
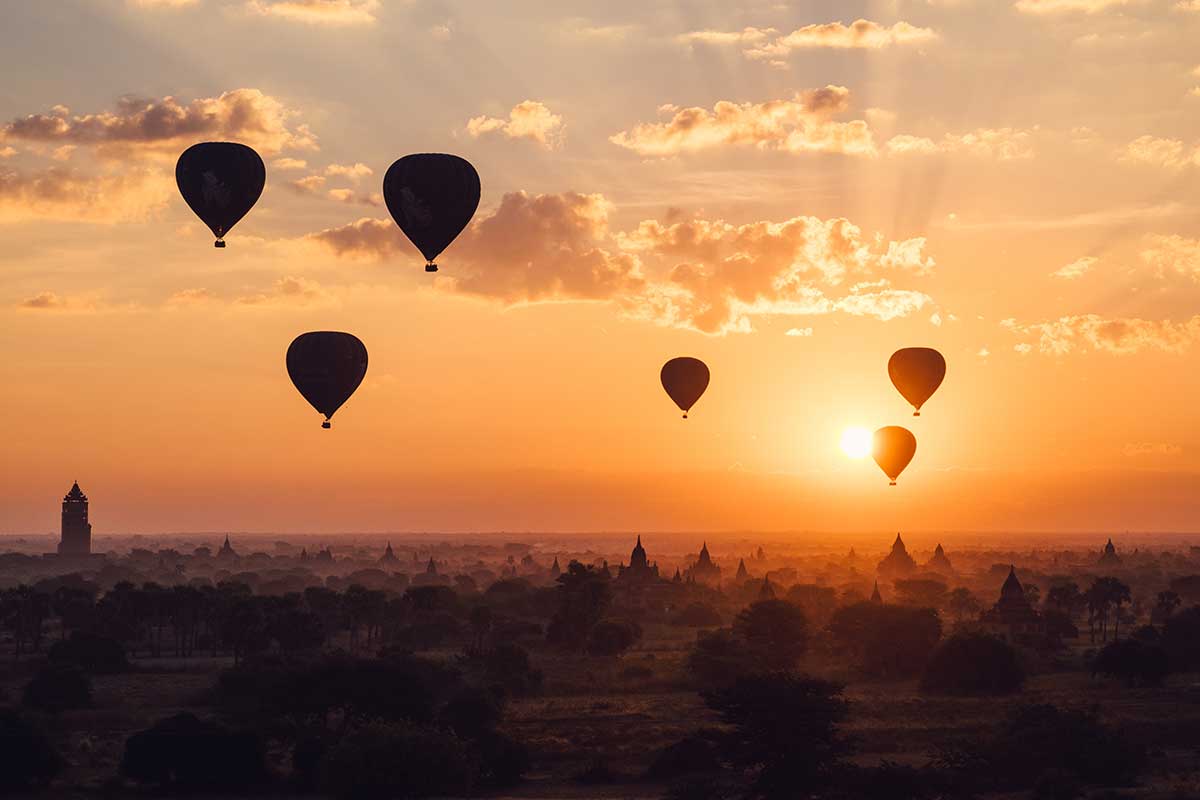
186	752
1136	662
973	663
98	655
59	688
27	757
397	760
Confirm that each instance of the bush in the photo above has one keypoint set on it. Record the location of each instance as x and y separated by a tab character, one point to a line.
59	688
613	637
27	757
1136	662
688	756
973	663
697	615
185	752
98	655
397	760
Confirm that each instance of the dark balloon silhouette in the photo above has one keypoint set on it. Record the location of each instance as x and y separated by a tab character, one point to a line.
326	367
894	448
685	379
917	372
432	197
221	182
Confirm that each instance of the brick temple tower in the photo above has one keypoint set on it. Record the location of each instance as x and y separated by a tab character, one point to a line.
76	530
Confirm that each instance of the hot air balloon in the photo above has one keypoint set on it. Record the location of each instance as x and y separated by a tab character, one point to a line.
432	197
326	367
917	372
221	181
685	379
893	448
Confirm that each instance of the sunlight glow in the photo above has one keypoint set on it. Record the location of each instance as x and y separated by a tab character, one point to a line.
856	442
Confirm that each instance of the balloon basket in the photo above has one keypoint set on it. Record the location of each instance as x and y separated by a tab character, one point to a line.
219	243
893	483
430	266
685	416
916	413
326	425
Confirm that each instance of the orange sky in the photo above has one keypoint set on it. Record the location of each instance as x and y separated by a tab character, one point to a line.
787	193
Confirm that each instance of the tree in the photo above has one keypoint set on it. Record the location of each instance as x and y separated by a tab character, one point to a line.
59	688
775	633
886	641
718	658
365	763
28	759
185	752
962	604
98	655
785	728
817	602
698	615
921	592
508	666
1103	597
1165	605
973	663
1135	662
1181	640
613	637
1066	598
583	597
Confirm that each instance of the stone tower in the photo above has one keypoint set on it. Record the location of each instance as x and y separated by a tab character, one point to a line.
76	530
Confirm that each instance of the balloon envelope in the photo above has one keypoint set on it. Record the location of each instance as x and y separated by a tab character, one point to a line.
432	197
893	448
685	379
917	372
326	367
221	182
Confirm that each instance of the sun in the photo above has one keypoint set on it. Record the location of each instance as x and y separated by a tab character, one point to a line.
856	442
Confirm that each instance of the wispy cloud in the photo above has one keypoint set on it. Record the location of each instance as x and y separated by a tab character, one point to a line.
318	12
1116	336
528	120
1076	269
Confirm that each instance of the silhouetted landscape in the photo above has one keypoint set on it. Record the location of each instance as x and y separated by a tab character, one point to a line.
848	666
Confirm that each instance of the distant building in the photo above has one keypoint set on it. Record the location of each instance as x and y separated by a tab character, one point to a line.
1109	557
325	554
939	562
678	577
743	574
431	567
76	530
876	597
388	556
767	592
1013	618
898	563
227	550
640	570
555	569
704	570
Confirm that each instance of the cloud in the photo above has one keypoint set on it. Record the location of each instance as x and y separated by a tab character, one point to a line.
1003	144
1118	336
53	302
1172	255
61	193
140	126
7	152
311	184
580	28
318	12
801	124
289	163
373	199
862	34
351	171
527	120
1068	6
1076	269
1187	5
44	301
799	332
701	274
1134	449
1169	153
163	3
287	291
746	36
191	297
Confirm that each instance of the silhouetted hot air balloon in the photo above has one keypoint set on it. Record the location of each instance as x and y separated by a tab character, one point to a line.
221	181
917	372
685	379
432	197
327	366
894	447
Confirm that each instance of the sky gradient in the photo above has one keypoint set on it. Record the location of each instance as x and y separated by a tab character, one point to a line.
789	192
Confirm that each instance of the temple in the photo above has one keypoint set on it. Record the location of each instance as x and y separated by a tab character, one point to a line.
898	562
1109	557
388	556
640	570
939	562
76	530
704	570
227	550
1013	618
742	574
